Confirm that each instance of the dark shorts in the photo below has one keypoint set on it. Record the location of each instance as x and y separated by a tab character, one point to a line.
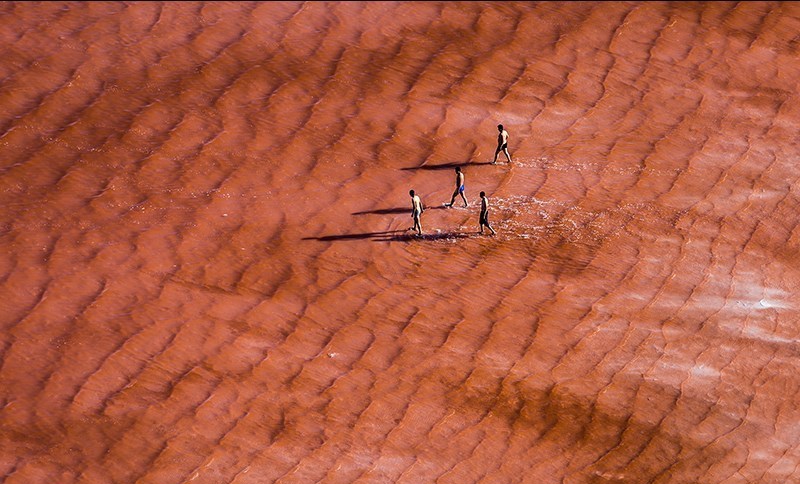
505	146
484	218
461	189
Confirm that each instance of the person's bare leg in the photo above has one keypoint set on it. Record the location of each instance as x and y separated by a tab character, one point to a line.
508	156
466	204
452	199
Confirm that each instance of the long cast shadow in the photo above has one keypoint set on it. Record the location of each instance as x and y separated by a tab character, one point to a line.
388	211
413	237
446	166
391	236
366	235
384	211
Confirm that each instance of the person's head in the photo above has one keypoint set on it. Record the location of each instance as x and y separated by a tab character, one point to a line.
458	169
483	194
499	127
411	192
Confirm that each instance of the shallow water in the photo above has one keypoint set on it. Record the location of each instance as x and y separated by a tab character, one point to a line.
207	274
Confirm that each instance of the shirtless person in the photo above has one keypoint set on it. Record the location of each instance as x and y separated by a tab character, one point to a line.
416	212
484	217
502	144
459	189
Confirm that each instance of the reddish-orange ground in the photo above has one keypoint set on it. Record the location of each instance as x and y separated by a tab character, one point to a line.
206	274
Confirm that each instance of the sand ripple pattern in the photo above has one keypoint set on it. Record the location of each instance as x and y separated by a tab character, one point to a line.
206	274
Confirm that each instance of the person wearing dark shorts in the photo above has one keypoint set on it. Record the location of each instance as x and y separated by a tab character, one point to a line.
484	217
502	144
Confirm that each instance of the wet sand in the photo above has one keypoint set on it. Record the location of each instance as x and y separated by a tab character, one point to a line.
207	274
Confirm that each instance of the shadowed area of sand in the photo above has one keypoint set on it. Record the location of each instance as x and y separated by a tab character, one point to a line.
206	272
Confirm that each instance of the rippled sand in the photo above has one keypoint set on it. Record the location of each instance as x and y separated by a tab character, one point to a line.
207	275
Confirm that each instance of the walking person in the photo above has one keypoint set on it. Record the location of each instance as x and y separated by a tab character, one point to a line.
484	217
502	144
416	212
459	189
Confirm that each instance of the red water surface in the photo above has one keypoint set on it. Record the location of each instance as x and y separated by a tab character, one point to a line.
206	272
